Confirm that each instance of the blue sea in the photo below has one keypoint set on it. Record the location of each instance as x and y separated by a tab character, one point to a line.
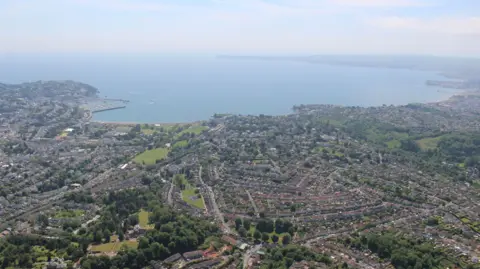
183	88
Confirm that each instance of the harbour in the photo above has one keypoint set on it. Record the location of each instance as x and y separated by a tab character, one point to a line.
99	105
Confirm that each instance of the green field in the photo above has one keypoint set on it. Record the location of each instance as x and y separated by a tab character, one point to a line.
148	131
143	220
429	143
194	130
180	144
113	247
392	144
150	156
187	195
189	192
69	213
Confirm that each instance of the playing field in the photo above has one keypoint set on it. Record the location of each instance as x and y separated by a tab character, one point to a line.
198	129
180	144
150	156
113	247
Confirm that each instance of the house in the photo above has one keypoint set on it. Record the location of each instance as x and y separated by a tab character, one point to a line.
4	233
173	258
192	255
206	264
229	240
137	231
75	185
243	246
300	265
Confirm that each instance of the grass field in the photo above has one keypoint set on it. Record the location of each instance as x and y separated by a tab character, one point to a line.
150	156
113	247
180	144
189	192
69	213
187	195
429	142
198	129
392	144
148	131
143	219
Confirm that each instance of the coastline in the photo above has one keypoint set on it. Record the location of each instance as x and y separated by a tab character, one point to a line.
448	96
135	123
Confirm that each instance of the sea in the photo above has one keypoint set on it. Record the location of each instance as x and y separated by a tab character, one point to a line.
184	88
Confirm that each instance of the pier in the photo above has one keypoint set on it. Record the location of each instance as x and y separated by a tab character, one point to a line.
99	105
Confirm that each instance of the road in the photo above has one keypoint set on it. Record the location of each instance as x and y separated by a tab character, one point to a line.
170	191
253	203
218	213
85	225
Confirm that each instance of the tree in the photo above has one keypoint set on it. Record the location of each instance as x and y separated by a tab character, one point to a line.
265	237
275	238
265	225
287	239
242	232
291	231
246	224
133	220
257	235
288	262
279	226
293	208
42	220
121	236
141	259
143	243
97	237
238	223
159	251
106	234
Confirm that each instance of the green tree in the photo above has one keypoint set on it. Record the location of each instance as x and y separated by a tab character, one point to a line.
97	237
242	232
265	237
247	223
257	235
275	238
238	223
121	236
286	239
42	220
143	243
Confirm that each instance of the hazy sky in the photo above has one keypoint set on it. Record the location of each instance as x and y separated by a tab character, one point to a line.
441	27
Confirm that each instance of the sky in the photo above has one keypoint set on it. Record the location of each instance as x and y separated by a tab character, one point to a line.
433	27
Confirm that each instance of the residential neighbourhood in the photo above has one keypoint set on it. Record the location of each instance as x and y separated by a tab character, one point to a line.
323	187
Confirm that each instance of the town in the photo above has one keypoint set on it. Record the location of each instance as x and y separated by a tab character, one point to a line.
323	187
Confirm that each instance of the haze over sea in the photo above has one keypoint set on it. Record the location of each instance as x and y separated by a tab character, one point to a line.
188	88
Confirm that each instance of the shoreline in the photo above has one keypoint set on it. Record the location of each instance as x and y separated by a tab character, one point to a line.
448	97
142	123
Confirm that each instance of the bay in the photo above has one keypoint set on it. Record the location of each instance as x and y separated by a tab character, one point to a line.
182	88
